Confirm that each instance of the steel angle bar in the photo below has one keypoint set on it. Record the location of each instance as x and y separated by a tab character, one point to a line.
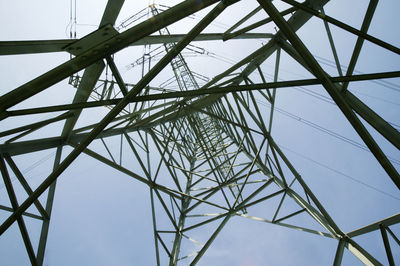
357	49
108	150
339	253
117	75
377	122
361	254
216	217
331	89
290	215
128	139
244	19
163	245
332	44
386	244
243	119
172	38
33	47
111	12
260	117
171	218
278	166
392	220
181	223
120	150
153	216
50	46
63	107
49	207
27	214
36	125
273	96
266	49
29	146
269	97
88	82
303	229
279	206
24	147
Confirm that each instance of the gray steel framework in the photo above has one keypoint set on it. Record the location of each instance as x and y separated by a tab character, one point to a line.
200	147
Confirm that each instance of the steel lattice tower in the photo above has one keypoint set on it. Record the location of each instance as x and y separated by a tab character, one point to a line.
203	148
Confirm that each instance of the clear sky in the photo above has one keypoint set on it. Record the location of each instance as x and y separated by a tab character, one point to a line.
103	217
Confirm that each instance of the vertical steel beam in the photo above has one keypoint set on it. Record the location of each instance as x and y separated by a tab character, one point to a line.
185	202
339	253
153	215
111	12
49	207
117	75
357	49
332	44
387	244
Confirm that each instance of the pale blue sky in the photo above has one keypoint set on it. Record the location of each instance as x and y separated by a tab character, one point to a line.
102	217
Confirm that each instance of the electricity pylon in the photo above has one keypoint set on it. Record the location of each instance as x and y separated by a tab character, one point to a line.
205	152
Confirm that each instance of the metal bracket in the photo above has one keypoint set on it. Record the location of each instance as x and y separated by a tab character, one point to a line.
91	40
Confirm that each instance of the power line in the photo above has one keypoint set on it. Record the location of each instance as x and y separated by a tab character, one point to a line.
31	167
340	173
325	130
384	83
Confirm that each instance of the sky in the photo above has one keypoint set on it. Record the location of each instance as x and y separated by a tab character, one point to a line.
103	217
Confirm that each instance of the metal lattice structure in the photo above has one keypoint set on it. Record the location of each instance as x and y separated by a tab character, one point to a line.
204	148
